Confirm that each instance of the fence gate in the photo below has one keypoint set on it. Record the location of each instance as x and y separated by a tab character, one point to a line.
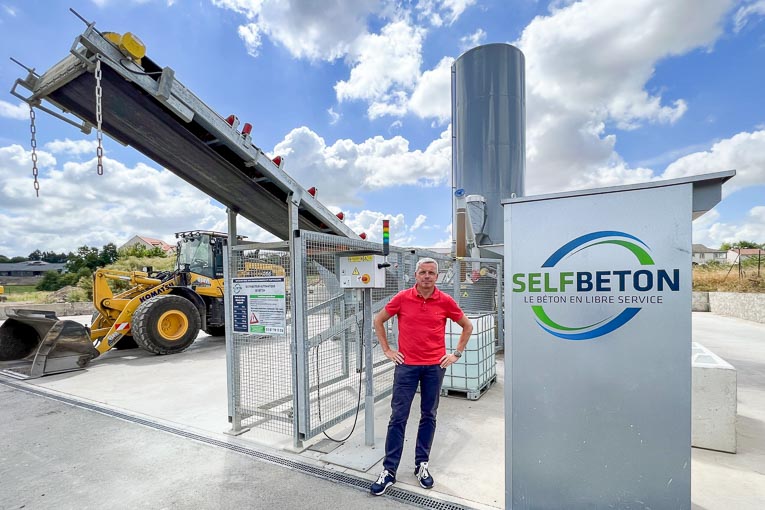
260	363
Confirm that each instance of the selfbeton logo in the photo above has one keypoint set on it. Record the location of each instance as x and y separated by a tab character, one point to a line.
617	294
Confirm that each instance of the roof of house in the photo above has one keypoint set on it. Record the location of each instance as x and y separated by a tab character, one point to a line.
748	251
700	248
31	265
157	243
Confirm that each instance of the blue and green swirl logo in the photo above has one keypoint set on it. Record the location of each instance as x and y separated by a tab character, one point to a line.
618	287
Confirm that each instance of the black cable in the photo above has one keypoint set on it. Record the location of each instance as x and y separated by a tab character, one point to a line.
122	63
318	384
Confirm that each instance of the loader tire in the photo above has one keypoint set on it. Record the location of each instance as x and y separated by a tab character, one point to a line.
124	343
166	324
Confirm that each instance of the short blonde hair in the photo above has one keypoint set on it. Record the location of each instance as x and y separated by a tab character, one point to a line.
425	260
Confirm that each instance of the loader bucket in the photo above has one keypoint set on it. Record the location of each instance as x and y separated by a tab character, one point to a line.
34	343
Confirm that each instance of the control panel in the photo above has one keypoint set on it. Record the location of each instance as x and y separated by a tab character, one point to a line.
362	271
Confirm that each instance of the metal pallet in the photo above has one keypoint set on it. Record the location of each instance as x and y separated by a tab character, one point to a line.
469	394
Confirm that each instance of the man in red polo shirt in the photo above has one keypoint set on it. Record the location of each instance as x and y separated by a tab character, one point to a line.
421	359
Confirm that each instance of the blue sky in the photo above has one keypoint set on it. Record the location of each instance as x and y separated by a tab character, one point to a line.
355	94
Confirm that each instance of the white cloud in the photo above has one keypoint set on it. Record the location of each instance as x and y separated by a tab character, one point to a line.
432	96
371	223
746	12
385	67
78	207
353	168
9	10
439	12
744	152
306	28
587	66
14	111
418	222
333	116
250	34
14	158
74	147
472	40
709	231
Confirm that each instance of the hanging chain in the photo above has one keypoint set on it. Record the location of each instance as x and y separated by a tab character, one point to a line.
33	129
99	118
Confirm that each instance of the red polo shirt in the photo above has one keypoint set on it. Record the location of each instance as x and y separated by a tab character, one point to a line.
422	324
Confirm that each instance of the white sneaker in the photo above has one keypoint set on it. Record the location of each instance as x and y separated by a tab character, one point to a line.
385	480
423	475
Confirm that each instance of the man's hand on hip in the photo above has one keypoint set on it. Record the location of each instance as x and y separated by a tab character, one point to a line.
394	356
448	359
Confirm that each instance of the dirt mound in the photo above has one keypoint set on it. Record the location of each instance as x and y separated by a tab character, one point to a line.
61	295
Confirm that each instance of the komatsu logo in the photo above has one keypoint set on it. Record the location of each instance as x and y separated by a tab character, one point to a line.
162	289
627	286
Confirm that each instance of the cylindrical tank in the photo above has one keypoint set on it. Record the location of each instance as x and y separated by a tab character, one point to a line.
489	130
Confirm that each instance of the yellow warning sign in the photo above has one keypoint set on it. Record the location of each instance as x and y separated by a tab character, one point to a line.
355	271
465	294
361	258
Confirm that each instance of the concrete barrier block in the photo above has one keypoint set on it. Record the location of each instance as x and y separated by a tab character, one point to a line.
749	306
713	401
61	309
700	302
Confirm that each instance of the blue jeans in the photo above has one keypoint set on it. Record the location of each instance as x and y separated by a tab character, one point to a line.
405	380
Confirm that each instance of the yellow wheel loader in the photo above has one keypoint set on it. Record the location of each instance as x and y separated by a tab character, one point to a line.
161	312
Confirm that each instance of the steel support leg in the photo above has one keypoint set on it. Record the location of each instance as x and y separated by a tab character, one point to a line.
369	398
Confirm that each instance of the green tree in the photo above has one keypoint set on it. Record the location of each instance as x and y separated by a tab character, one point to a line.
85	257
35	255
51	281
108	254
53	257
141	251
91	258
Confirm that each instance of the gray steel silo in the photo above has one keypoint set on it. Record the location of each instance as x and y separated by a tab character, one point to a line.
488	136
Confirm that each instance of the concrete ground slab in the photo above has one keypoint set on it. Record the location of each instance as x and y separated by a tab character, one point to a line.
723	480
467	461
354	454
57	456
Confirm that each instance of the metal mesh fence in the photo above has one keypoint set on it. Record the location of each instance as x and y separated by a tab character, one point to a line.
262	365
334	321
302	384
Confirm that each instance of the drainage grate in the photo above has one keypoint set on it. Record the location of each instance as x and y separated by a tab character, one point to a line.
396	493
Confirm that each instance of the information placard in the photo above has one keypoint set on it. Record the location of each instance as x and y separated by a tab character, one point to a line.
259	305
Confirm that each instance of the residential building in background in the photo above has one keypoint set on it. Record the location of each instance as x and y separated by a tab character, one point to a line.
704	255
745	253
149	243
27	273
